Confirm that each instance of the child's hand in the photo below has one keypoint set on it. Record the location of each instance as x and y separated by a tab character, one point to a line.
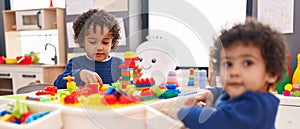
204	98
88	77
137	73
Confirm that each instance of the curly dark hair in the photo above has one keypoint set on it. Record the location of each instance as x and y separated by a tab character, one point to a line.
270	42
95	17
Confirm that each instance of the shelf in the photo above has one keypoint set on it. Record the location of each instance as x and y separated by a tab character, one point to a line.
28	30
48	19
6	90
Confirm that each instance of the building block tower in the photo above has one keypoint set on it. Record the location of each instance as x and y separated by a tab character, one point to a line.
191	81
127	68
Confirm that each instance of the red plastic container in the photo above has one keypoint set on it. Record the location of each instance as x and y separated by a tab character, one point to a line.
24	59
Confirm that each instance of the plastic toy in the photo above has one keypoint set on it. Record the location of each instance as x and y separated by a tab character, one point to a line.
157	91
71	99
144	83
158	58
191	81
172	78
35	57
94	88
197	77
51	4
91	100
34	117
48	90
287	77
110	99
202	79
8	118
296	75
84	91
41	99
127	99
127	68
1	59
290	89
18	109
288	66
26	59
71	85
169	94
146	92
19	114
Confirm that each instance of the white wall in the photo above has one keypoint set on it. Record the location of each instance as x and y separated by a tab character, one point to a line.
33	4
195	22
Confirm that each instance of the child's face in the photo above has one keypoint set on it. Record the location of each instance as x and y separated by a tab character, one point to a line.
243	69
98	45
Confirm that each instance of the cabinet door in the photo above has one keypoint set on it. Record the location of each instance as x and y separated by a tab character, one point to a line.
24	78
288	117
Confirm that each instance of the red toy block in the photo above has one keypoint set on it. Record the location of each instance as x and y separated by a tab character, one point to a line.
124	100
145	81
71	99
84	91
146	92
25	116
51	89
110	99
94	88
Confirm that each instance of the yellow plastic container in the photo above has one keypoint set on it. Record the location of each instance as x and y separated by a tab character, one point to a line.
11	61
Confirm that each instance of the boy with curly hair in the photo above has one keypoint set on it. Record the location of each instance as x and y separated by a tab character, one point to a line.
98	32
250	59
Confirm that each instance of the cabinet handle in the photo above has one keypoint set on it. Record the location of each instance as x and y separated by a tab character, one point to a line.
38	19
5	74
28	76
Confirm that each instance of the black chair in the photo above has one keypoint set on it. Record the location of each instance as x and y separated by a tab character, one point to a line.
31	88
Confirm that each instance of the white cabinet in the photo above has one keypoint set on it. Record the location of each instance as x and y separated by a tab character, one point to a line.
13	77
288	115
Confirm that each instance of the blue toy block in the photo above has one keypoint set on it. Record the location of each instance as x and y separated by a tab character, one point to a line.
171	86
34	117
110	90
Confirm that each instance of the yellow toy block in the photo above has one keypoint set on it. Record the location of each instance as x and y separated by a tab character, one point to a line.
129	54
8	118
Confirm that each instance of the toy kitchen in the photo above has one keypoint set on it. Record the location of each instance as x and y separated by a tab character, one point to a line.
32	54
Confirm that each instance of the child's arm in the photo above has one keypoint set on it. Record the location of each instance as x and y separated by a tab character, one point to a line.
247	111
